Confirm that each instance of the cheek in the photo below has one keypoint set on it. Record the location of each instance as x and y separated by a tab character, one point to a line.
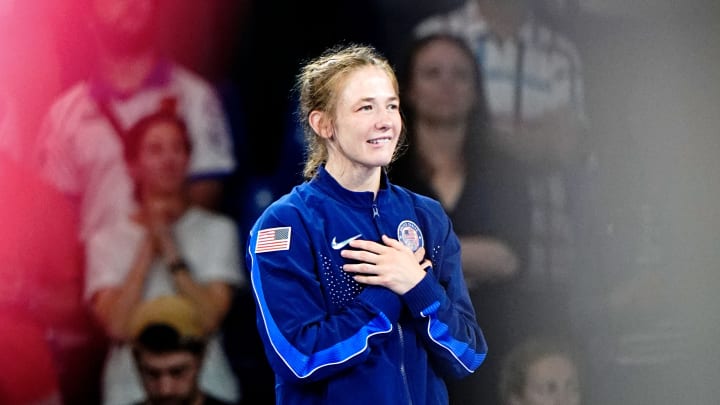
398	122
182	158
421	91
188	379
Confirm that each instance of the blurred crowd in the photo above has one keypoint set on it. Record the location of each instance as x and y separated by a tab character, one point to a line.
574	152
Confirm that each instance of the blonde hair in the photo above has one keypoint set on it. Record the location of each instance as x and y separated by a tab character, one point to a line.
318	85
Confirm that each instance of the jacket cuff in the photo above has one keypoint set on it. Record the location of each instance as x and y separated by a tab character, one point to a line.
383	300
426	293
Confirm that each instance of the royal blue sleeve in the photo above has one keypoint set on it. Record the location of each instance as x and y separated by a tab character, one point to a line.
304	340
441	305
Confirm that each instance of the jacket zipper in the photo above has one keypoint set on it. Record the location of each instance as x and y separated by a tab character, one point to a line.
403	373
376	218
402	364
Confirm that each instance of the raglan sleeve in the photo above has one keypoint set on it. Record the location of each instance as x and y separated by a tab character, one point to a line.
52	152
213	149
304	339
441	306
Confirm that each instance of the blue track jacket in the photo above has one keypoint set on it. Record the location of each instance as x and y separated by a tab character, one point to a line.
331	340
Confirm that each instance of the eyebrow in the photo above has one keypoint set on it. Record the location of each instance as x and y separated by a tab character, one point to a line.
371	99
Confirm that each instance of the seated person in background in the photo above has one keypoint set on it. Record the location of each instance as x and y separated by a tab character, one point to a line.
80	141
540	370
167	246
168	345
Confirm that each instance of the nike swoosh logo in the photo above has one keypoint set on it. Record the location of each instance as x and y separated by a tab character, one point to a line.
339	245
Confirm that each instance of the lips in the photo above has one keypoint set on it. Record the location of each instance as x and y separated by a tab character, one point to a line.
379	141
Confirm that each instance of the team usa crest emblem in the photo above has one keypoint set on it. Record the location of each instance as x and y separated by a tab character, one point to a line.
410	235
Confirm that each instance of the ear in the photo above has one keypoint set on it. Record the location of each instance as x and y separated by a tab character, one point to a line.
320	123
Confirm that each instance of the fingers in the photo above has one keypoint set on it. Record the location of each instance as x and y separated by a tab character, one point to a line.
420	254
376	247
368	279
392	265
368	251
373	257
360	255
367	245
394	243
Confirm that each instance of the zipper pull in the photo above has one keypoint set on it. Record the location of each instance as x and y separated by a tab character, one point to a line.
376	213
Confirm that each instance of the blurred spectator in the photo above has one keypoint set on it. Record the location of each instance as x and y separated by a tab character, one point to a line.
541	370
450	159
447	123
168	344
167	245
534	86
80	147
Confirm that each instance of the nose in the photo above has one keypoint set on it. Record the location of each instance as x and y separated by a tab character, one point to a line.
385	120
165	385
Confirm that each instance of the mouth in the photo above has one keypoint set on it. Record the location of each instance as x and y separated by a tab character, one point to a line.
381	140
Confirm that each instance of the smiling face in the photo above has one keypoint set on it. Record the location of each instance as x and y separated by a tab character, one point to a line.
162	159
362	135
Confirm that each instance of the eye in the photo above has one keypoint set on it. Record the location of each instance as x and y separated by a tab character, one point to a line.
430	72
393	106
153	149
366	107
151	373
177	372
463	75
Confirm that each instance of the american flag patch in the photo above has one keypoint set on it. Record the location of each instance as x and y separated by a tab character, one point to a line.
273	240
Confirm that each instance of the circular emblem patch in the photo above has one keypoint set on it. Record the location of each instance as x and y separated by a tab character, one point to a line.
410	235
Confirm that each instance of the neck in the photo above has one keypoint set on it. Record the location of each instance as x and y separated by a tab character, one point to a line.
172	206
355	178
198	399
440	144
440	150
126	73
